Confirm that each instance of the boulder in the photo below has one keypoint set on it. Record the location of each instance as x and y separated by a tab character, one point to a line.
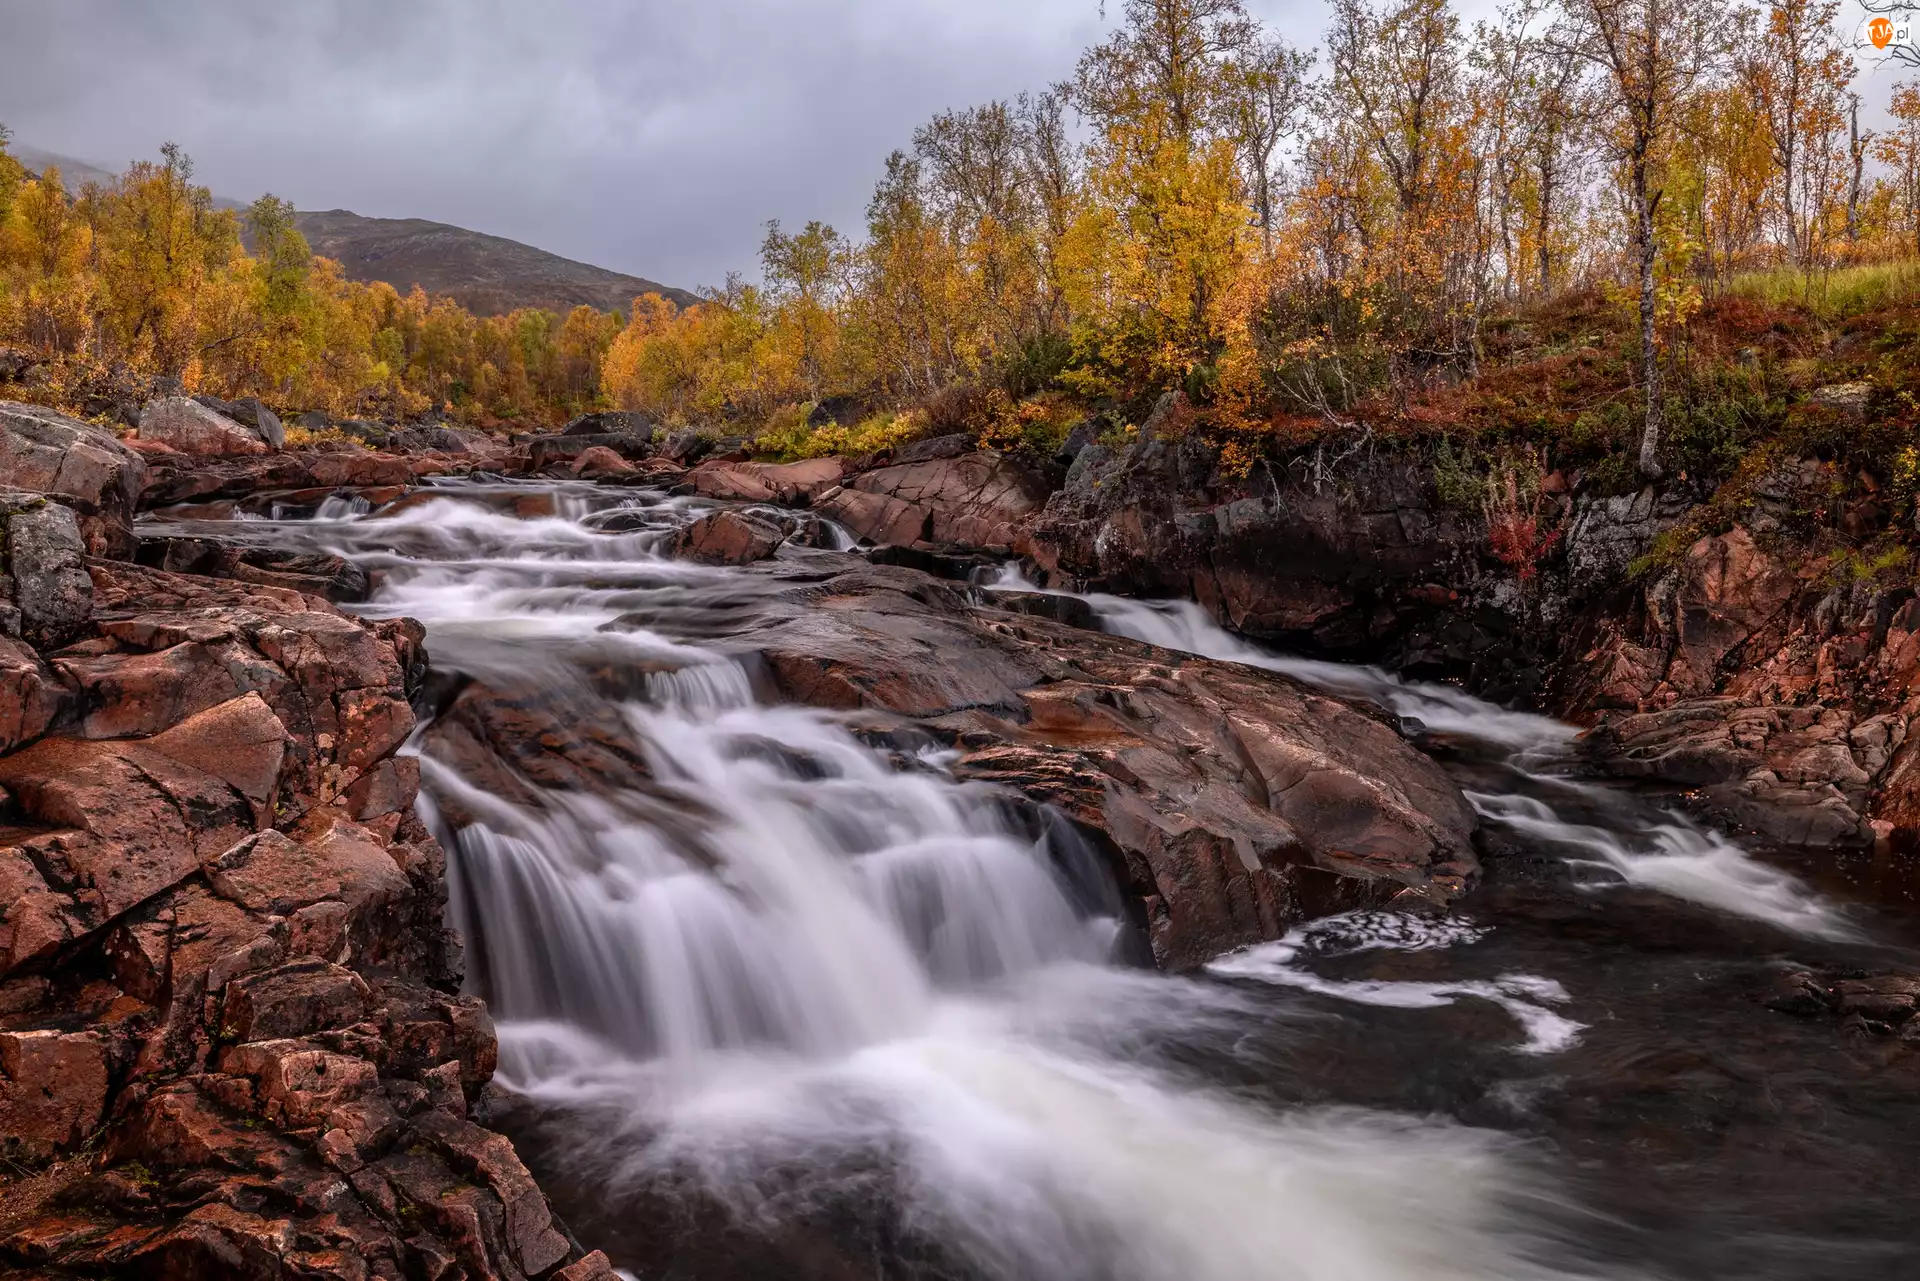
32	695
935	448
875	518
266	424
979	500
684	447
81	466
601	463
547	451
730	538
53	1091
792	484
1848	399
611	423
45	590
188	427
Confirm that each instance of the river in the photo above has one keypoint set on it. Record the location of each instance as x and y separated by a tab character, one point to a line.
786	1008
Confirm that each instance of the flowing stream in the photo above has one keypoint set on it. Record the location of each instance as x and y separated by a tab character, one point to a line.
782	1002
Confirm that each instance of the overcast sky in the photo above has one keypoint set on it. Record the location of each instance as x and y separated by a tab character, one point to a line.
650	136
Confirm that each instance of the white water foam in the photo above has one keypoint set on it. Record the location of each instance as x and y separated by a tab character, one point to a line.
1679	859
780	954
1684	861
1528	998
1183	625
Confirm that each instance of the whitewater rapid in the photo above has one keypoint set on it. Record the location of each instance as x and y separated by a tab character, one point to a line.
788	959
1665	852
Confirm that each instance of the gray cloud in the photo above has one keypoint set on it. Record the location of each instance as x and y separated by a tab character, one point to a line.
651	137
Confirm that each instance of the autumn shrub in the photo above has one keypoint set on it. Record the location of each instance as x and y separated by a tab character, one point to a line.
789	438
1458	481
1038	425
962	407
1521	529
302	437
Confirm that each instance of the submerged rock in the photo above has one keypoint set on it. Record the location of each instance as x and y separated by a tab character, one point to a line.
731	538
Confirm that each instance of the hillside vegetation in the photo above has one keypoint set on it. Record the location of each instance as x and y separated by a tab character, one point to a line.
1625	237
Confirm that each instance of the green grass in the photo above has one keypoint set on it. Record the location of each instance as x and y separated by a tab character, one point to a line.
1844	291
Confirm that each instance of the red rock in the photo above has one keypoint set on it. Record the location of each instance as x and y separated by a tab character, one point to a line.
592	1267
876	518
273	873
978	500
85	466
133	694
293	1000
728	483
1238	803
599	462
529	1224
36	920
790	483
1728	590
730	538
240	742
390	787
218	1240
142	820
373	722
53	1090
298	1083
179	1127
359	470
189	427
32	696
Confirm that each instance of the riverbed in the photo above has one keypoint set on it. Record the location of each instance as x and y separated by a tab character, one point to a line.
791	1003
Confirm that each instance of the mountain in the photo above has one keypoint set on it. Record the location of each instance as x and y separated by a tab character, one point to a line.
486	274
74	171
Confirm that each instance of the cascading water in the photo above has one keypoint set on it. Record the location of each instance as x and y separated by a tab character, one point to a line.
783	954
786	1003
1673	855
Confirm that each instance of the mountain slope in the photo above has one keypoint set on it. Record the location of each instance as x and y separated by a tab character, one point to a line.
489	275
73	171
486	274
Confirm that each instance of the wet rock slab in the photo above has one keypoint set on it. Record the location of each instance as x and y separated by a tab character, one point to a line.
1233	803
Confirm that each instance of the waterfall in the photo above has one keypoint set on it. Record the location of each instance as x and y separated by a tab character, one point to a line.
781	957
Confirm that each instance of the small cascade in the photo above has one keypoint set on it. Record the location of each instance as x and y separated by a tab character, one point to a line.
1668	854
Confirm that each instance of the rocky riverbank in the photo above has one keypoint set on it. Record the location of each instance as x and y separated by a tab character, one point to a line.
231	1035
1736	654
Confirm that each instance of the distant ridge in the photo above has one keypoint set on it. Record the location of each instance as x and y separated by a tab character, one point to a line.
73	172
488	275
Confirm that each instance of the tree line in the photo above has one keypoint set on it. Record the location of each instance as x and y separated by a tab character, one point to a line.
147	272
1281	233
